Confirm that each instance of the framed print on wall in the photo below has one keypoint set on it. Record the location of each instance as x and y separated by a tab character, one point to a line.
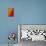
10	12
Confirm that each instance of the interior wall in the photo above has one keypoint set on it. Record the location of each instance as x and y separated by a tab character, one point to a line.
26	12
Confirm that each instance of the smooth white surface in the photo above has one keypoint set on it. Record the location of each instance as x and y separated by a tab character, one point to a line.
18	33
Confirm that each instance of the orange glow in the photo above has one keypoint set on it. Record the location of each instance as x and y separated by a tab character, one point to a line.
11	12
